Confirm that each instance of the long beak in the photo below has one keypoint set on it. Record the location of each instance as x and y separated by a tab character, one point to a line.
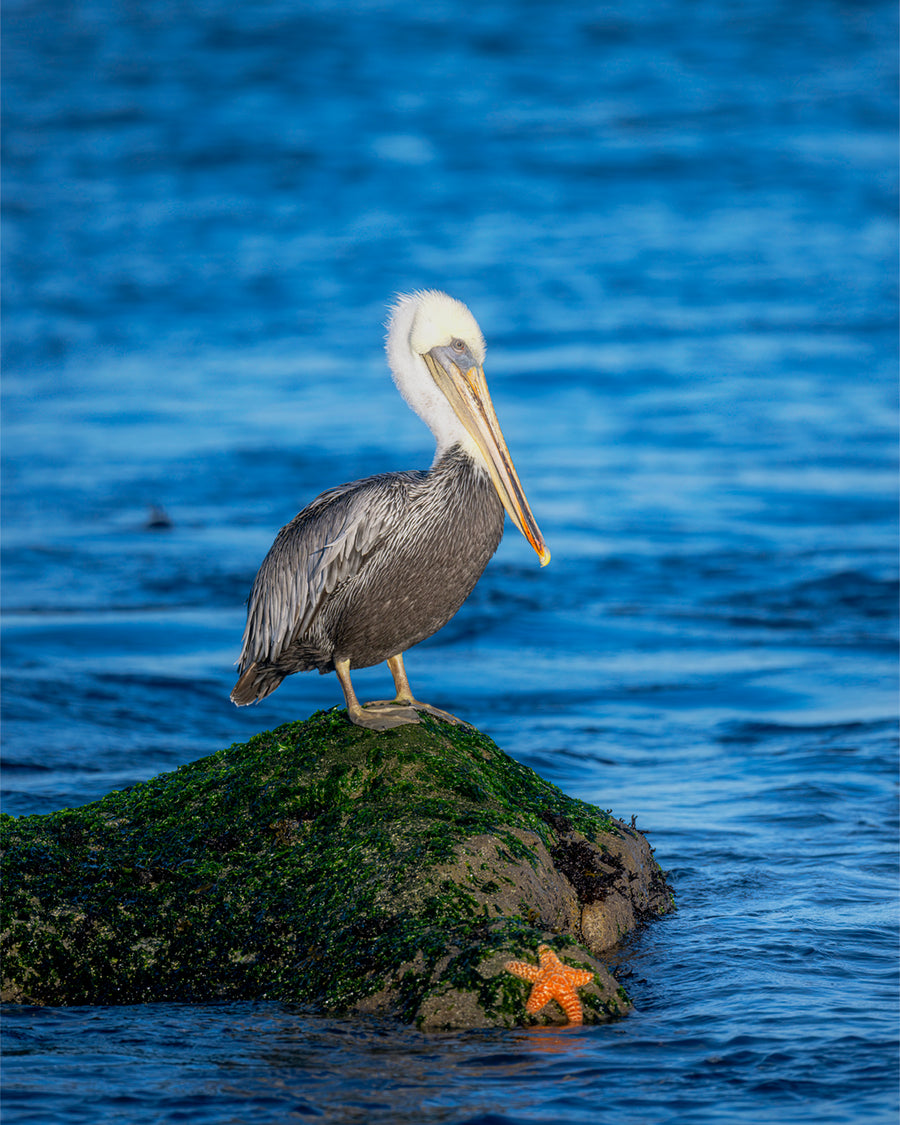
467	393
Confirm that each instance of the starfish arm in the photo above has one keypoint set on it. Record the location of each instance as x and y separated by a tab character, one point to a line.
571	1005
523	969
580	977
549	961
541	994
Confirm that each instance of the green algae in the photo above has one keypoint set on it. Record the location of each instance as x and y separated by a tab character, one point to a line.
295	866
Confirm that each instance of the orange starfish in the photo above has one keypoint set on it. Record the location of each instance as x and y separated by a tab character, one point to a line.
552	981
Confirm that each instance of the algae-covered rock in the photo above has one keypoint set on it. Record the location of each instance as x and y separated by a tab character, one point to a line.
328	865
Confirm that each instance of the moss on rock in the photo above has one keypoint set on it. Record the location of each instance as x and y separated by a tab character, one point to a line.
325	864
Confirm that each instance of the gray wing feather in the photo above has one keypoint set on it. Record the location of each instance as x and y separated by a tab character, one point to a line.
313	554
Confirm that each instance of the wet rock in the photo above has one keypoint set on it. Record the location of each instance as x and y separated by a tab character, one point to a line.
323	864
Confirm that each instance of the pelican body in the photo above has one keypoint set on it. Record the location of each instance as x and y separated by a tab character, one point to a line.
369	569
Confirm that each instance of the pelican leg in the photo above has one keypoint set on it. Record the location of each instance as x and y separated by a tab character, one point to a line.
374	716
405	697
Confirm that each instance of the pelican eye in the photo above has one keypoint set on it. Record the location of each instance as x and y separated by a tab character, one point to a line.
458	345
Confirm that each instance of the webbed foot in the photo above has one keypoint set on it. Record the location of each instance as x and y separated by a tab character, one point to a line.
416	705
382	716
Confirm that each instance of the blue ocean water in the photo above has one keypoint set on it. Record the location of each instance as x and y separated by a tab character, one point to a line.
677	226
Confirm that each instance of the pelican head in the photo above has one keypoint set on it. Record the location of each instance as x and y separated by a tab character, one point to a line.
436	354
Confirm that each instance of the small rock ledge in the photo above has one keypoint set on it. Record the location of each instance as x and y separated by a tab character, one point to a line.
330	866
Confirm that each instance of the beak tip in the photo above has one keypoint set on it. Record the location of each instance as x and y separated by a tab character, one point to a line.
544	556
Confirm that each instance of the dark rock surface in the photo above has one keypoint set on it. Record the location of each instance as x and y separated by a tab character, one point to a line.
332	866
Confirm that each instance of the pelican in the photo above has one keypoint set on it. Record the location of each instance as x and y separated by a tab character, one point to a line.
370	568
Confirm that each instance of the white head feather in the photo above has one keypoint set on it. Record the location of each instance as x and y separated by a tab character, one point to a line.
419	322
